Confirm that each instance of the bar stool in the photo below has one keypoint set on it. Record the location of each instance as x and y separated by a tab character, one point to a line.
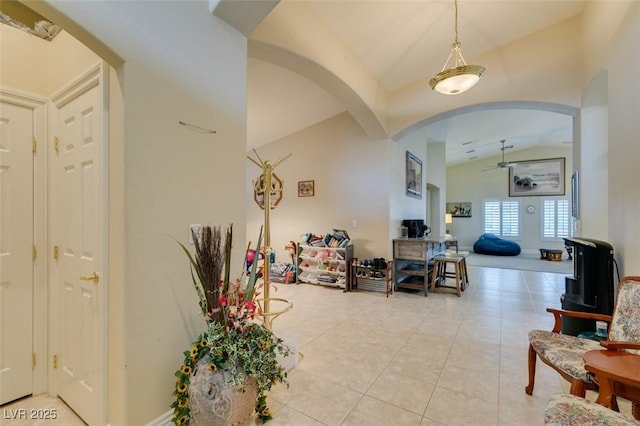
459	273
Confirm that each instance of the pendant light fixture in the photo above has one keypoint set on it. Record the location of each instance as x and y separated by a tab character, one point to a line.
459	78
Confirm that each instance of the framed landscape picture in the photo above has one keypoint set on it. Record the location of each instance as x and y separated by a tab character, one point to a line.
537	178
414	176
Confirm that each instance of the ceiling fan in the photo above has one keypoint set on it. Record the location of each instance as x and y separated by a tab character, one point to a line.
503	164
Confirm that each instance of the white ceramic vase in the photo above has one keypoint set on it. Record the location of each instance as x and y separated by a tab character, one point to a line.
213	402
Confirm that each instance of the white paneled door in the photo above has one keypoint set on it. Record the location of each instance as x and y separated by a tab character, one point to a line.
78	200
16	251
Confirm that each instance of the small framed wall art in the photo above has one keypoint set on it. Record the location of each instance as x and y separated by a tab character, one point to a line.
459	209
306	188
413	176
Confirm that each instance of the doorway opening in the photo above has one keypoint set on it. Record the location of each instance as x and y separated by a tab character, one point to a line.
60	164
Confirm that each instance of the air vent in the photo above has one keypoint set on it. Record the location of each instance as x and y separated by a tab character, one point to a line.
470	152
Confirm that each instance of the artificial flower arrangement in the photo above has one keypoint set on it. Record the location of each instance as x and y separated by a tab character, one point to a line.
235	340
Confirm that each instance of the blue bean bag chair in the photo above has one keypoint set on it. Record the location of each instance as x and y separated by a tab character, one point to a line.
492	244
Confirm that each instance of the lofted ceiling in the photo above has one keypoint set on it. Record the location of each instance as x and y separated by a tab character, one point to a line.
402	43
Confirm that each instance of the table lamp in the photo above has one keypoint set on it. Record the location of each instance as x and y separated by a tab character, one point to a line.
448	218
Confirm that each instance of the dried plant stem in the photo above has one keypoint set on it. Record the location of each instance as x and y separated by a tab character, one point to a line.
211	260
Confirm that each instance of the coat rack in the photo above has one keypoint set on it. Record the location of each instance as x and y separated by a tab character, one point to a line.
263	186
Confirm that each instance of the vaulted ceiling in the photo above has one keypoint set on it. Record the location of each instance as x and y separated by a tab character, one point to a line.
402	44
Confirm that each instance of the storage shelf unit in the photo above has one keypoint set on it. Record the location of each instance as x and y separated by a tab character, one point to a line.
325	265
372	278
412	259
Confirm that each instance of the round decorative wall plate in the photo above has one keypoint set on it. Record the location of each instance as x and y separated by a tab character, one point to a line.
275	194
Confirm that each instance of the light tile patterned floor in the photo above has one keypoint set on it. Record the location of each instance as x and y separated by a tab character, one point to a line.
410	360
41	410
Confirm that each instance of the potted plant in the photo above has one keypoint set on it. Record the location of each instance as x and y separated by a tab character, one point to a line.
236	357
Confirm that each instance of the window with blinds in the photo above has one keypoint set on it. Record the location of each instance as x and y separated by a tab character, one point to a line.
502	217
556	218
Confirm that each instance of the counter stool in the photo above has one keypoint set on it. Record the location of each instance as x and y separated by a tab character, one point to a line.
459	273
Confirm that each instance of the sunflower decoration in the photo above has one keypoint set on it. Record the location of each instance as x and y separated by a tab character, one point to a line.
236	340
181	403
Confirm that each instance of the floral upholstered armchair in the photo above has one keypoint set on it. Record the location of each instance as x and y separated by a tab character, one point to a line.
564	353
570	410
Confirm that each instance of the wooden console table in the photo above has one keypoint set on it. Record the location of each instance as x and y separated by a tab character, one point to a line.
617	374
411	259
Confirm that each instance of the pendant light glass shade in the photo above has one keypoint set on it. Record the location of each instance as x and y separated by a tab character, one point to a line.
460	77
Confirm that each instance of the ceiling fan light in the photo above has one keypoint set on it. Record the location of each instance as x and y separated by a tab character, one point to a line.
456	80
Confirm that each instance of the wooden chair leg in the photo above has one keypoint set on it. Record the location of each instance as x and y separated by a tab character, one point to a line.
578	388
434	275
605	395
614	405
532	370
635	410
465	279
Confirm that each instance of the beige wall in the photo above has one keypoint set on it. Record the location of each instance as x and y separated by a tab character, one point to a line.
68	58
592	162
401	205
41	67
351	174
436	187
23	59
611	31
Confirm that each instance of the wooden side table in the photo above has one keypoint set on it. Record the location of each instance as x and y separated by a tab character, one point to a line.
451	242
617	374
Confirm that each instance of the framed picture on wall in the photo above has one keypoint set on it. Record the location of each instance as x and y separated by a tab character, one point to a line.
537	178
459	209
413	176
306	188
575	194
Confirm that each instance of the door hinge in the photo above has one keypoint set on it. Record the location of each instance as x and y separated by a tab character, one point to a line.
34	253
33	360
56	144
56	252
33	145
55	361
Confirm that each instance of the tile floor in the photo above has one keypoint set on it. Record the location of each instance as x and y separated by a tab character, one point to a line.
410	360
20	413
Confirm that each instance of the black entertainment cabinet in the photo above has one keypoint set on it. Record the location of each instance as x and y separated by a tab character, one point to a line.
591	288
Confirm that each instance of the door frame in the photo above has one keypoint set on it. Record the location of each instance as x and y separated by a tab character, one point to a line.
40	264
96	75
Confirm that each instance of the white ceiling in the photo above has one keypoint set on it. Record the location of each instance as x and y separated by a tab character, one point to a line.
402	42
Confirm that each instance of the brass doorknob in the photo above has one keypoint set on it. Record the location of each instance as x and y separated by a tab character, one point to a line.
95	277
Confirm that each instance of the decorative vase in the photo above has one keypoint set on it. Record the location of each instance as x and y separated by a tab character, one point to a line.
214	402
